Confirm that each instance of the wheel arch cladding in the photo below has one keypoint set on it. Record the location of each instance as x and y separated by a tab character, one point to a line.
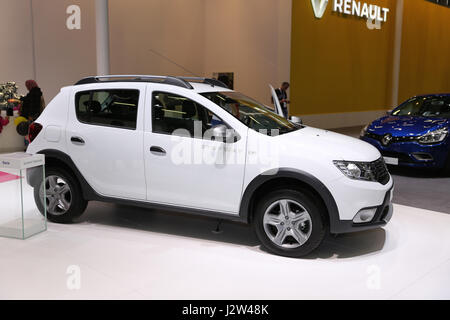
286	177
59	158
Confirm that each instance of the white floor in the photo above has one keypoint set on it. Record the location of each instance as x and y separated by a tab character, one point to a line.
128	253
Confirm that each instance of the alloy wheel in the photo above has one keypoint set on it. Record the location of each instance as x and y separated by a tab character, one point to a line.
287	224
58	195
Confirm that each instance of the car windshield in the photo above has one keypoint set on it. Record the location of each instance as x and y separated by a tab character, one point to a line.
425	107
251	113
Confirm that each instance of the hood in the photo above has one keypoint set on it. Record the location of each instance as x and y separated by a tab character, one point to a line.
334	145
400	126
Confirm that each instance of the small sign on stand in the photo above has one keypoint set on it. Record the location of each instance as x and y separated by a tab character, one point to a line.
21	183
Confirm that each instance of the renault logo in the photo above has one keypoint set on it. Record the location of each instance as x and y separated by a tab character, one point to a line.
319	7
387	139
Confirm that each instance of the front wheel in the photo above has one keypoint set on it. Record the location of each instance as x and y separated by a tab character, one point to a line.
63	197
290	223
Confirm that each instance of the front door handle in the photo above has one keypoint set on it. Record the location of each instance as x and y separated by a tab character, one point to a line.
158	151
77	140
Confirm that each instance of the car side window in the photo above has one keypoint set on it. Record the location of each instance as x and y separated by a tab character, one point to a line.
171	112
409	108
436	107
113	108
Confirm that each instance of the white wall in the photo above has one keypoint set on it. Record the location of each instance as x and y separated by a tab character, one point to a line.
61	56
161	37
179	37
251	38
169	37
199	37
16	59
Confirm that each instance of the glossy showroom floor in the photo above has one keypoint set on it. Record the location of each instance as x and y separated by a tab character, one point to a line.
119	252
127	253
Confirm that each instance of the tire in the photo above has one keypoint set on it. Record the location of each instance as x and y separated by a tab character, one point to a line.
66	202
309	228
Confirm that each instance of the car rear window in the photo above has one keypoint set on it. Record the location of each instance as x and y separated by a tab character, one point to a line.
113	108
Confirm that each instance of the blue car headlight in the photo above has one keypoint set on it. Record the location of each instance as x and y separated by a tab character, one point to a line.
435	136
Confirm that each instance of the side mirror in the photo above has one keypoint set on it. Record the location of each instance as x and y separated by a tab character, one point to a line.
296	120
222	133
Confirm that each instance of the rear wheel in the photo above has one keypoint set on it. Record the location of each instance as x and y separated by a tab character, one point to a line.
63	197
290	223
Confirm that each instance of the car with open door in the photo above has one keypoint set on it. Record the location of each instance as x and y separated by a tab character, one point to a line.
192	145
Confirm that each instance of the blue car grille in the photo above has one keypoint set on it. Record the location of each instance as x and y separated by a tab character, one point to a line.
380	171
394	139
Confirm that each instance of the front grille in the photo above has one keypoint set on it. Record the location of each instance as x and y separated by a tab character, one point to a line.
380	171
373	136
379	138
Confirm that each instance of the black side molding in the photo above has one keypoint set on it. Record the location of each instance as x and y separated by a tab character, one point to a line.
90	194
245	207
51	154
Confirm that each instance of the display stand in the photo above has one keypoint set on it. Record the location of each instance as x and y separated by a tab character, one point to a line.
21	175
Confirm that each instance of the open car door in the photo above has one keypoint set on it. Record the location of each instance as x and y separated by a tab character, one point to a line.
278	109
276	102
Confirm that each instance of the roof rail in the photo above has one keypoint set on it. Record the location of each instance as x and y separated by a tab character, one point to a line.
210	81
137	78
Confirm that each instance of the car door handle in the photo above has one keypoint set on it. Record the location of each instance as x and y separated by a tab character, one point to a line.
77	140
158	151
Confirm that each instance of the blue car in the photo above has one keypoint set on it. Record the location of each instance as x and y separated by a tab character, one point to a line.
415	134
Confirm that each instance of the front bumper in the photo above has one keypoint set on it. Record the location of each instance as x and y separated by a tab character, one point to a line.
409	153
383	215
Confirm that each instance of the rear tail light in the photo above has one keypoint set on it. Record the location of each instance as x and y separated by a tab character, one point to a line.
34	130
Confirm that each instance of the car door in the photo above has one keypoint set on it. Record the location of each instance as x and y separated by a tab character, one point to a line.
105	138
186	168
278	109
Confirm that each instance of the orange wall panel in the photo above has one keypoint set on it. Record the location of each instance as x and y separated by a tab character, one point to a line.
425	59
337	63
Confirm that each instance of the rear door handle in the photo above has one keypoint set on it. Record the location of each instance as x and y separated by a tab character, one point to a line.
77	140
158	151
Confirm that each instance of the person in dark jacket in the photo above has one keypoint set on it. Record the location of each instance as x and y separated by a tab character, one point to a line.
33	103
283	98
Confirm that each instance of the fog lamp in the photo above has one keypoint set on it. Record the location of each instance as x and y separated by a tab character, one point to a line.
365	215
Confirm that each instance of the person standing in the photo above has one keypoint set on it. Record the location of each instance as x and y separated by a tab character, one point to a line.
33	103
283	98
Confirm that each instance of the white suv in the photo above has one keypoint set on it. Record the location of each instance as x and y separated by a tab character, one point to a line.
192	145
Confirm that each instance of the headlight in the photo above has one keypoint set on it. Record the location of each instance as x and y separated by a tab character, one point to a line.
356	170
435	136
364	131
